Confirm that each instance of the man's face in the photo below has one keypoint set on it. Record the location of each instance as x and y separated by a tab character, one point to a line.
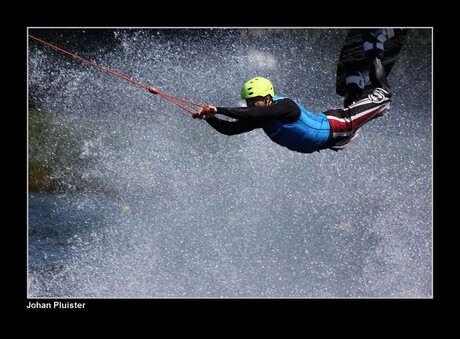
256	102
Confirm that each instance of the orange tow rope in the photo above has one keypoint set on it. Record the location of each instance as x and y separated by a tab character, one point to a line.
153	90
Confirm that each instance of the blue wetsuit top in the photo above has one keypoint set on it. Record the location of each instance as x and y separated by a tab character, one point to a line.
286	122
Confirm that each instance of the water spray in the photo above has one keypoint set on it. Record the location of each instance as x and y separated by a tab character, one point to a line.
173	99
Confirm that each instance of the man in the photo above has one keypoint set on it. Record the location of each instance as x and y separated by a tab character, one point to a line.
289	124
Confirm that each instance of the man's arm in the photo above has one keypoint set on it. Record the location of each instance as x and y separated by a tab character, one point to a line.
285	110
233	127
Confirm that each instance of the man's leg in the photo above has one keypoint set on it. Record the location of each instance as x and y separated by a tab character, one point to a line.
373	44
345	123
355	82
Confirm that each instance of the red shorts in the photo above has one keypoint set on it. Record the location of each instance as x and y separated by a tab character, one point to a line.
345	123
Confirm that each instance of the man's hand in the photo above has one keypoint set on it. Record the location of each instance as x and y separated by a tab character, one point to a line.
204	112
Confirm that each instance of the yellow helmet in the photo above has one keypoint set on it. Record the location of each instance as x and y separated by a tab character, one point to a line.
257	86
